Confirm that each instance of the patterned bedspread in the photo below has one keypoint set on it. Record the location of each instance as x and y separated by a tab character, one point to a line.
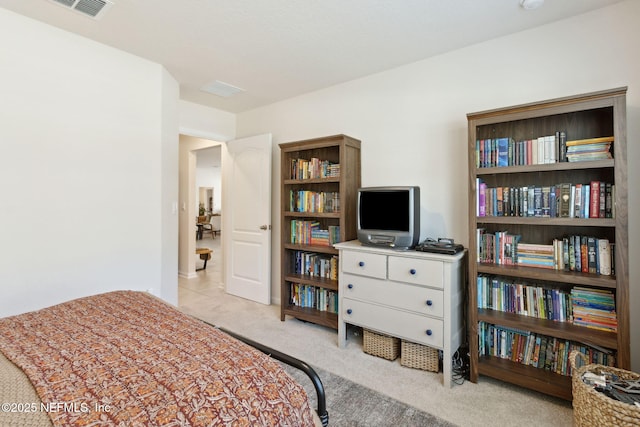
127	359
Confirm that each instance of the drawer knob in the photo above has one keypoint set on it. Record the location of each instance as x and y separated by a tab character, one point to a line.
350	286
361	263
412	271
429	332
349	311
429	302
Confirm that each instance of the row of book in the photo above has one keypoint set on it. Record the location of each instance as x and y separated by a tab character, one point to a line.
313	168
566	200
525	299
305	232
314	201
578	253
587	307
315	265
536	350
594	308
505	151
308	296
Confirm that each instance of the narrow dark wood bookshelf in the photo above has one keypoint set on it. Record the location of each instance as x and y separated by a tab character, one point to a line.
586	116
301	174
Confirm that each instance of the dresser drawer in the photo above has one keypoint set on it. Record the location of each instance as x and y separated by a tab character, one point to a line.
372	265
409	297
401	324
425	272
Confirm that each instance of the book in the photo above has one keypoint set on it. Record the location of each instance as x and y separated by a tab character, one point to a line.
591	254
602	202
565	200
577	207
482	194
584	257
594	200
503	152
608	200
589	141
604	257
562	143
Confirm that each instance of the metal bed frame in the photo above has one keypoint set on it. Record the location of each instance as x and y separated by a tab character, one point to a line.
291	361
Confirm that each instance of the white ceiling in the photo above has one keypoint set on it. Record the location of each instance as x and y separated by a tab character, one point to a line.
278	49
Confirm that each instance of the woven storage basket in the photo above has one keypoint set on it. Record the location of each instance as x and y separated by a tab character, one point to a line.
592	408
381	345
419	356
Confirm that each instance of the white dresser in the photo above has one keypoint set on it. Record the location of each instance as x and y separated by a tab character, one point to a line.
412	295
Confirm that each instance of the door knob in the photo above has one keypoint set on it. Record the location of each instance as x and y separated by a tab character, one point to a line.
265	227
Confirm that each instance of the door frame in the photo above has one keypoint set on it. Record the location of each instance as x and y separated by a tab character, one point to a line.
188	145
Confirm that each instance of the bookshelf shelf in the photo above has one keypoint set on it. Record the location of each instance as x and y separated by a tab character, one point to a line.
586	116
331	284
311	181
312	214
310	248
526	376
596	164
310	167
568	222
323	318
564	330
548	275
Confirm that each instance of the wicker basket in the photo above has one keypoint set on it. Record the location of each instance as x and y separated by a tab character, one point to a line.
592	408
419	356
381	345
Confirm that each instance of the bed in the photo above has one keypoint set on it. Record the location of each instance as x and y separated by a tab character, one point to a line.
126	358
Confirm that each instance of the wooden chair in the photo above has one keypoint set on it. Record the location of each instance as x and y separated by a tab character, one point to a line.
205	225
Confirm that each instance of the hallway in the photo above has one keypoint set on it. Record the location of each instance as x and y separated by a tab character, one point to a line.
209	280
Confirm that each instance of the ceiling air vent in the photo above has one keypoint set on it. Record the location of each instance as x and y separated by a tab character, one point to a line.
221	89
93	8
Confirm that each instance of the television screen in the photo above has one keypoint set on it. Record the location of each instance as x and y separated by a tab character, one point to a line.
384	210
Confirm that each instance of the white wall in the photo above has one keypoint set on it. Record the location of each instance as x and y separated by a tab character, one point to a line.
169	187
412	120
88	168
205	122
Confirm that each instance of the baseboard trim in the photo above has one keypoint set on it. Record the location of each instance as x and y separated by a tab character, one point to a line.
187	276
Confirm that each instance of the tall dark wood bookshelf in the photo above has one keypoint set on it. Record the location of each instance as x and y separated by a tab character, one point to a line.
337	150
590	115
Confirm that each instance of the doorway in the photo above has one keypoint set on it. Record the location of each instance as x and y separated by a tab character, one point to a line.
244	224
200	166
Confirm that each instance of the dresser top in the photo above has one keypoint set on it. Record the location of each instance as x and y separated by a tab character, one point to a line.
356	245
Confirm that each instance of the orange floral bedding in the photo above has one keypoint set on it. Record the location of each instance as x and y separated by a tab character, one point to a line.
126	358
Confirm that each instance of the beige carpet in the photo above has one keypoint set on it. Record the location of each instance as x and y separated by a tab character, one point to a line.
487	403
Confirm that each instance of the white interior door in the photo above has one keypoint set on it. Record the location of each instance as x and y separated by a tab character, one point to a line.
247	218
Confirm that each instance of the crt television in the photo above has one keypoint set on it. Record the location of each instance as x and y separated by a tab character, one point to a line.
389	216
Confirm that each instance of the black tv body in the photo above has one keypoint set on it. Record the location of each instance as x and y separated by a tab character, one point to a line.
389	216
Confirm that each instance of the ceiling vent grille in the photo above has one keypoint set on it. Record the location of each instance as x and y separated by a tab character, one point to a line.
221	89
92	8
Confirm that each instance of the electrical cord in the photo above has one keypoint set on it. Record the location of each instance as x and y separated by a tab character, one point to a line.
460	368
